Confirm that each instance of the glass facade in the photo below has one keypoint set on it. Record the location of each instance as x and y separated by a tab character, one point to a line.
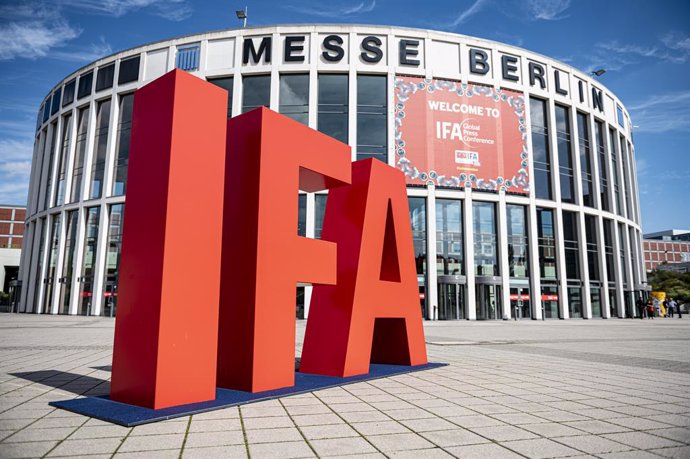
449	243
592	248
585	146
225	83
51	162
333	108
603	175
62	163
372	130
418	222
613	149
485	239
93	215
518	242
68	260
112	259
256	92
79	155
540	148
565	157
51	272
319	213
100	149
294	96
547	244
124	133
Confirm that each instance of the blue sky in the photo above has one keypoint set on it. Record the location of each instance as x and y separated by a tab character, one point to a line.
644	45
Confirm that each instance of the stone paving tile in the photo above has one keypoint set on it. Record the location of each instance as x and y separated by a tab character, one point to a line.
378	428
88	446
235	451
273	435
271	422
364	416
205	439
430	453
317	419
478	420
428	425
100	432
551	429
681	452
672	419
597	427
454	437
152	442
674	433
342	446
158	454
21	450
399	442
503	433
165	427
328	431
635	454
540	448
642	440
211	425
638	423
594	444
285	450
31	434
483	451
518	418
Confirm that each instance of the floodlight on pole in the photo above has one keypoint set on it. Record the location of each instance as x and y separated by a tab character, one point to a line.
242	15
598	72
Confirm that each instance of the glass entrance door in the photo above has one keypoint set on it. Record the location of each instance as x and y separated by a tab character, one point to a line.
451	301
488	301
520	306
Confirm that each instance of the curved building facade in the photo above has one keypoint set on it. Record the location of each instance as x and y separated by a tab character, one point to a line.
521	170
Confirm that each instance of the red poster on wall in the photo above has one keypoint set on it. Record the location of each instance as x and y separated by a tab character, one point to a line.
460	135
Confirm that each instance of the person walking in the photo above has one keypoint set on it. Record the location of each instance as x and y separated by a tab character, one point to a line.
650	309
640	308
670	307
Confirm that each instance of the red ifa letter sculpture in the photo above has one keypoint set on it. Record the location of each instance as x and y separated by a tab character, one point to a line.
372	313
269	158
167	326
176	340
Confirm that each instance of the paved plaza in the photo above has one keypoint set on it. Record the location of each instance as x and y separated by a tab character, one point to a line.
598	388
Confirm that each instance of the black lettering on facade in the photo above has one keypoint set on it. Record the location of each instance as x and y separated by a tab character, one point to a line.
264	50
581	87
371	49
293	44
479	61
509	68
334	49
536	73
557	79
597	99
408	49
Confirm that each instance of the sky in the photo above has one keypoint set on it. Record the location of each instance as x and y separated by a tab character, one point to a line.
644	47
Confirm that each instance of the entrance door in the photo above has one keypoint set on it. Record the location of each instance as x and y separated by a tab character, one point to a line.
451	301
488	302
520	306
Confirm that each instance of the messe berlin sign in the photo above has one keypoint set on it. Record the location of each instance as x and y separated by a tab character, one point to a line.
460	135
218	309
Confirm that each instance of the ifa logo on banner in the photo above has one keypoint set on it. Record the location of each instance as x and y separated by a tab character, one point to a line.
211	256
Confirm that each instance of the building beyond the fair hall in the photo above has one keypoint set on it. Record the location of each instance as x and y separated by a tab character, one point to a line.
521	170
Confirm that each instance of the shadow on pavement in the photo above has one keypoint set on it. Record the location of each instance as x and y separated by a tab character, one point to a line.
70	382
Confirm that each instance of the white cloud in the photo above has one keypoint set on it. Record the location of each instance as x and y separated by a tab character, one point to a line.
173	10
16	149
84	53
616	47
333	11
34	39
662	113
474	8
548	10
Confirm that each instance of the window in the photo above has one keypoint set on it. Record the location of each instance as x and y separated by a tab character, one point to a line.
129	70
46	110
69	260
418	221
319	213
62	163
302	215
93	215
105	76
112	259
619	115
518	254
333	108
53	147
585	155
603	176
256	92
68	96
55	106
294	97
187	57
224	83
608	250
85	85
565	157
621	251
79	153
51	272
540	147
626	177
613	147
547	244
450	257
100	149
124	132
372	133
592	248
485	246
572	247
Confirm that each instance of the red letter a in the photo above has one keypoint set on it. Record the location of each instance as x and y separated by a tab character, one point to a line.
372	314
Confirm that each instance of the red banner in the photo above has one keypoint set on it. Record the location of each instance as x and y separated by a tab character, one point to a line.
460	135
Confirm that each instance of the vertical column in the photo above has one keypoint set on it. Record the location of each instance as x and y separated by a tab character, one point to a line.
618	268
603	268
468	235
534	269
584	265
431	274
166	330
563	300
504	267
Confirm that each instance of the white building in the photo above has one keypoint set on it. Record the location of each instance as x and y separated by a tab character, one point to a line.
559	238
